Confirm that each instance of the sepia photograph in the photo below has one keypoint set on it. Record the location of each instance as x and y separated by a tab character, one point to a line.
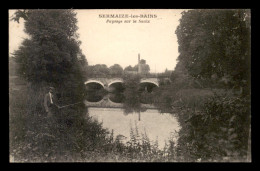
129	85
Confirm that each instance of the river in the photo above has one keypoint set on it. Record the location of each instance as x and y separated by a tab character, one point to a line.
123	120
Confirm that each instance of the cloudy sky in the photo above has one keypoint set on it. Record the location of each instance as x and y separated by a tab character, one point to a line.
120	43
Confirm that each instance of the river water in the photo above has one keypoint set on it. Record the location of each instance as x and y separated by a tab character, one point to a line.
148	122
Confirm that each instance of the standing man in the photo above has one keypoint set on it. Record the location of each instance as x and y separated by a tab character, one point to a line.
49	102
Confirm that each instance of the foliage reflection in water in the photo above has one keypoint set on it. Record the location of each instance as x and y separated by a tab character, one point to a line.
158	127
130	116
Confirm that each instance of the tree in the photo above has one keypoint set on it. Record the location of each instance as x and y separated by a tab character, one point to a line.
116	70
51	54
52	49
135	68
216	42
99	70
83	63
128	68
215	45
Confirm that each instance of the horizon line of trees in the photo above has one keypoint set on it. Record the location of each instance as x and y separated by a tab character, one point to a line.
101	70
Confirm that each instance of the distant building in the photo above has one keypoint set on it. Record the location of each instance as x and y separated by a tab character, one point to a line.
141	67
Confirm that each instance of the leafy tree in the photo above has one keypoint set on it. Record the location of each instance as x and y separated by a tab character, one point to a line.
216	42
99	70
215	45
116	70
128	68
83	64
51	54
182	79
135	68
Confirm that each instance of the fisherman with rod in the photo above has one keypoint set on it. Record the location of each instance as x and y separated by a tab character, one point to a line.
50	103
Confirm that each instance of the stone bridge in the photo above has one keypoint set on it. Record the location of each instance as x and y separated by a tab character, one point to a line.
107	82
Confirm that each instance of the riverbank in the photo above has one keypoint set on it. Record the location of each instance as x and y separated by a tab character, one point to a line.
215	123
69	136
35	138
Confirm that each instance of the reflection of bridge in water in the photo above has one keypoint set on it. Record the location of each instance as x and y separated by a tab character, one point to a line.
107	103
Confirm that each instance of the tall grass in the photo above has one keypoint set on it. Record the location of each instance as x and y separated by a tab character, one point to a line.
34	138
139	148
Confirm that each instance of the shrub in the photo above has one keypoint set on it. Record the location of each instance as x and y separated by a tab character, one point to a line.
218	132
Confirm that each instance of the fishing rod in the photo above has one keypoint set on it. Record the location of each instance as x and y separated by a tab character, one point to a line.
67	105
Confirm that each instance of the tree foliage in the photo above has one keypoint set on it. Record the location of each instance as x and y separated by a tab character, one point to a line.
51	54
116	70
216	42
214	47
219	132
130	68
99	70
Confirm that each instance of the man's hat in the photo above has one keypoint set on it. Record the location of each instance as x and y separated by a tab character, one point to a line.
51	88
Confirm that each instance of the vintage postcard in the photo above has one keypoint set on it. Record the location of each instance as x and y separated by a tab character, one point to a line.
129	85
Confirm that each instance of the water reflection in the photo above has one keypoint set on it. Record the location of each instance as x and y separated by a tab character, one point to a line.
94	97
158	127
122	112
116	97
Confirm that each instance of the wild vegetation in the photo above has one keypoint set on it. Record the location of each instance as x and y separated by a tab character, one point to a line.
210	88
209	91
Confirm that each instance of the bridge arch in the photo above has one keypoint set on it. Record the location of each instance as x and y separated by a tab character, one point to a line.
95	81
148	81
116	81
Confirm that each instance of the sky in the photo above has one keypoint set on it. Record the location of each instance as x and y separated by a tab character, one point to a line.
104	42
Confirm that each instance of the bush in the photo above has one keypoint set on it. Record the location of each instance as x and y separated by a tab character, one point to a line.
218	132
